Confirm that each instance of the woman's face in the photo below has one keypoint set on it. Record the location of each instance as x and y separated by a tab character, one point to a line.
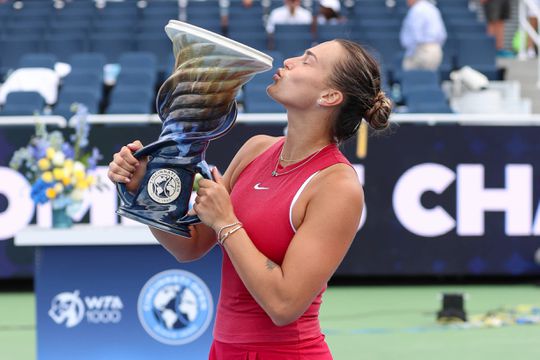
304	79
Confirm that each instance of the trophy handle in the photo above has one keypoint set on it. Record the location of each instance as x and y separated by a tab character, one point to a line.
126	197
203	169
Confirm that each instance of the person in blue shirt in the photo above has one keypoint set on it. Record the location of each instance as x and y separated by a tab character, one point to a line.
422	35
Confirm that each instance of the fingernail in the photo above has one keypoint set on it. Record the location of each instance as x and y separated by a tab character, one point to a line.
127	180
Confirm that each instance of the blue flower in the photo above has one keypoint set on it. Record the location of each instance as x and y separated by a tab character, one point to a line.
93	159
40	150
68	151
38	191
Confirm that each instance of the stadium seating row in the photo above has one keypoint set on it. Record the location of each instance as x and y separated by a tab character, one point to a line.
80	27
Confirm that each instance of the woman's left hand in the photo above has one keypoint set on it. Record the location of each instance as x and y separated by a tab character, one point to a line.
213	203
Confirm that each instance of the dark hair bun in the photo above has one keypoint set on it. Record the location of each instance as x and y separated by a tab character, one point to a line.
379	113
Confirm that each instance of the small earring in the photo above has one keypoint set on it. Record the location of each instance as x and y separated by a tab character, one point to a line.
319	101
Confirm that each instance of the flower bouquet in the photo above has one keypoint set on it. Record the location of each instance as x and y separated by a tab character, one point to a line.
59	171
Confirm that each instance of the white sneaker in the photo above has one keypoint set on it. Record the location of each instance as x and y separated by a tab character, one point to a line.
531	54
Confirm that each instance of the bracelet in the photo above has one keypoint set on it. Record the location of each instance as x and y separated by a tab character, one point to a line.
225	227
221	240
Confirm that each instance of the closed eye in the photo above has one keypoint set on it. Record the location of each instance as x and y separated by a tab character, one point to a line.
307	56
305	59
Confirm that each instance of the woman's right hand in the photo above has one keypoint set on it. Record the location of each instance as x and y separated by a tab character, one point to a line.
125	168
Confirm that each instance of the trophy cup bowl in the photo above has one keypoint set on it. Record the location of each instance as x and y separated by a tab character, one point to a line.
196	104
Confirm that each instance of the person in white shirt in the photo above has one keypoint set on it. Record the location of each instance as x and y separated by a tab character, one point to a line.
422	35
290	13
329	12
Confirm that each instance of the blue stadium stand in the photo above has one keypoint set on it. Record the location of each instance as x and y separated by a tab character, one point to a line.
114	26
478	52
69	26
23	103
67	97
292	40
42	60
85	79
130	101
89	61
15	46
138	60
326	32
159	45
64	45
111	45
427	100
152	26
412	80
256	40
137	78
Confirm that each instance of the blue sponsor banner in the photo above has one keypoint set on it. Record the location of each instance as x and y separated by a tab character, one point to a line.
449	200
124	302
440	200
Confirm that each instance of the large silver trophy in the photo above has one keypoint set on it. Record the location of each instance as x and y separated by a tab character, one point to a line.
196	105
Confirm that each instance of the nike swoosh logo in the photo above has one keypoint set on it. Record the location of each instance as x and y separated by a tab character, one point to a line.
258	186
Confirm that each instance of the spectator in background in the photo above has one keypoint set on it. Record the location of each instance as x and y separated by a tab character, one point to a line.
422	35
329	12
533	20
290	13
497	11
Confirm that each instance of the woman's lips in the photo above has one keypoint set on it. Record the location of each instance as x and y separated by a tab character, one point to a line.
277	75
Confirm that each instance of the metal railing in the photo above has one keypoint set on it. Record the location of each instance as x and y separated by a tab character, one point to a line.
529	7
502	119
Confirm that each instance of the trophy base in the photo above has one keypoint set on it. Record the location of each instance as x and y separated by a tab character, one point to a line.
179	229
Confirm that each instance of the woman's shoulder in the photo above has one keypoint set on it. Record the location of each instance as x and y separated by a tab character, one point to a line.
256	145
252	148
339	179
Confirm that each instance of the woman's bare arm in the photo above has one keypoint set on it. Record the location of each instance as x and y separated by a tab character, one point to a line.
329	223
126	168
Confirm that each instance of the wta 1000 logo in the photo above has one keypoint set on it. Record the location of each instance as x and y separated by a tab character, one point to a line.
175	307
70	309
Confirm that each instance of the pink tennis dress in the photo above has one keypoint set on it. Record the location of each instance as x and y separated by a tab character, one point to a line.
263	203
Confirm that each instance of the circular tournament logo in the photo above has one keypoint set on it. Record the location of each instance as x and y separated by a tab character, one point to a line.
164	186
175	307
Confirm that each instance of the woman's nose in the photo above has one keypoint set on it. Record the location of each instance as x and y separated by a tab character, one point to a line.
288	63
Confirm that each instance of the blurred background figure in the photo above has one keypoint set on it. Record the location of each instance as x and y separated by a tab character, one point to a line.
290	13
422	35
329	12
497	12
533	20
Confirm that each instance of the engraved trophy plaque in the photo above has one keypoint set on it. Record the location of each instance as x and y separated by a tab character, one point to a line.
196	105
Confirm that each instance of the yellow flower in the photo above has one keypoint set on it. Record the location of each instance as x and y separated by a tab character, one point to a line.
66	180
58	173
58	188
47	177
50	193
81	184
79	174
50	152
91	180
68	164
44	164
